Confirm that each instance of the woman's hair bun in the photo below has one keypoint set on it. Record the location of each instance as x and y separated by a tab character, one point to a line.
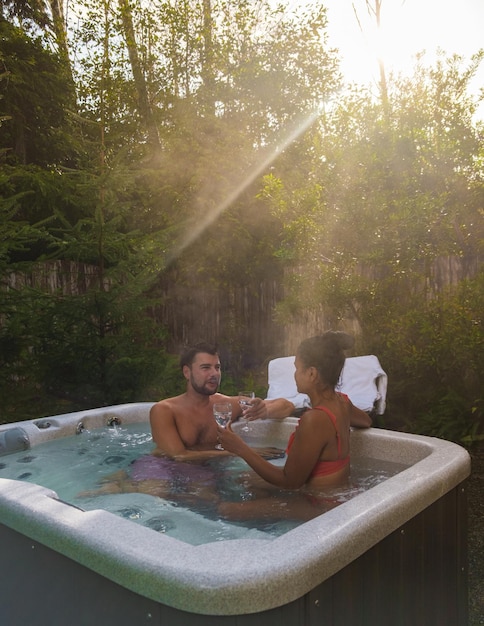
338	340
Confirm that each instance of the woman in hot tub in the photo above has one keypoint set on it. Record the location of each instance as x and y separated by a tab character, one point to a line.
318	452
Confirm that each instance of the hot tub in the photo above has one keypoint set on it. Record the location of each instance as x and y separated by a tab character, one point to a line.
395	554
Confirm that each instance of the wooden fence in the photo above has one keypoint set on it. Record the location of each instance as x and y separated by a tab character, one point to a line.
241	320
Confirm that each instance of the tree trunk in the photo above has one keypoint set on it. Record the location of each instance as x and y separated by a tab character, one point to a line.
207	60
144	106
59	26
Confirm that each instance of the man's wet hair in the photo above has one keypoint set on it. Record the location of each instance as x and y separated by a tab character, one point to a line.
190	352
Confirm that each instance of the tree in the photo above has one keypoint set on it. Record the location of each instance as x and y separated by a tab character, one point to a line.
144	105
29	12
35	20
35	98
388	199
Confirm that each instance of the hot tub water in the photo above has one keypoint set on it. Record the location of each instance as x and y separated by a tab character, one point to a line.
81	463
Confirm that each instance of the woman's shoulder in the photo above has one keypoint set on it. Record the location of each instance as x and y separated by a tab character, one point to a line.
312	416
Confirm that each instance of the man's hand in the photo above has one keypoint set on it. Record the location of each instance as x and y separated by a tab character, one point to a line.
276	408
256	411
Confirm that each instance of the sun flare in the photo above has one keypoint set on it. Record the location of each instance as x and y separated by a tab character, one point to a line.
407	27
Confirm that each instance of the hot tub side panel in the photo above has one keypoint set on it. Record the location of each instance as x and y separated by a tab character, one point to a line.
416	575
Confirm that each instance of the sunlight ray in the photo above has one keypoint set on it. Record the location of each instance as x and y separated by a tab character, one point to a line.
266	158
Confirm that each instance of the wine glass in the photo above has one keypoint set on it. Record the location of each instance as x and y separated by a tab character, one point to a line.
244	400
222	412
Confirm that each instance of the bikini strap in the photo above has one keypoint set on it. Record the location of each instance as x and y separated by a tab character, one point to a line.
332	417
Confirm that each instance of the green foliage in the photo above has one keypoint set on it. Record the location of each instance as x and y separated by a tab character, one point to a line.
96	349
35	96
451	418
231	385
432	352
17	237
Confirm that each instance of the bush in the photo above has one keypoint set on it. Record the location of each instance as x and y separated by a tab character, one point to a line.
432	352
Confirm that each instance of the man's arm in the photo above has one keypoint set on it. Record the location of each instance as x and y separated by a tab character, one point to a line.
279	407
264	409
164	431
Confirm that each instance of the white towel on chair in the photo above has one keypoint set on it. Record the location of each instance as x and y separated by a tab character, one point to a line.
362	379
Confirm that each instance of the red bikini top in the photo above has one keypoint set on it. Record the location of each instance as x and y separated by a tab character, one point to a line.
324	468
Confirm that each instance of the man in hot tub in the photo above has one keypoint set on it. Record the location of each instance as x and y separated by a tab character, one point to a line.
183	427
185	434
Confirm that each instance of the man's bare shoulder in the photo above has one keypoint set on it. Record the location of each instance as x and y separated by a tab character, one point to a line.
175	400
220	397
168	405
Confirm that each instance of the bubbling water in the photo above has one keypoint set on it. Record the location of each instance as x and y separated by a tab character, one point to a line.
92	471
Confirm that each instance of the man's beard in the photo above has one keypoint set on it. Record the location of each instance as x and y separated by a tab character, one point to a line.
202	389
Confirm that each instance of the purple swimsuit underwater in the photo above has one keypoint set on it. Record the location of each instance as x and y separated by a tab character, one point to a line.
151	467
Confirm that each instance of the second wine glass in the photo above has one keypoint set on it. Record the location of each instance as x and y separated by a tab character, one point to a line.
245	398
222	412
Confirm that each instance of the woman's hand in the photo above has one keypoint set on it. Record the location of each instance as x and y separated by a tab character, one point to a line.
230	441
234	444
